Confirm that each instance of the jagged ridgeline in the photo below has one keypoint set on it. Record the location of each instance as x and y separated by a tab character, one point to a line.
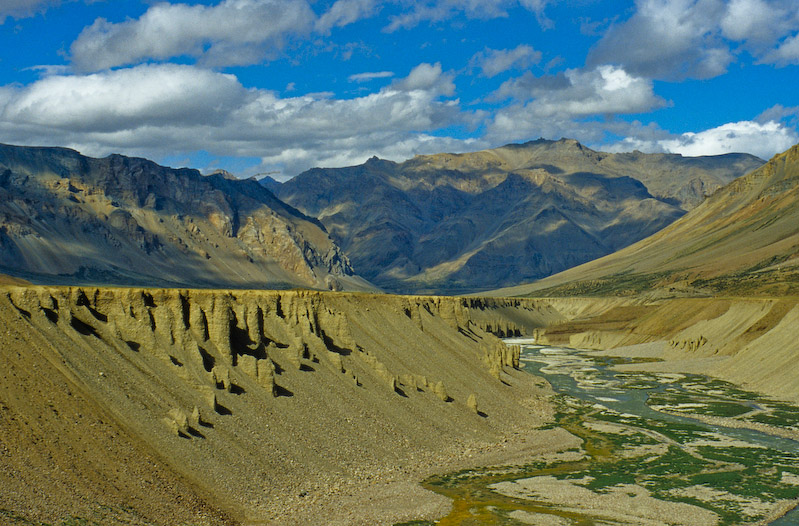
741	241
251	396
452	223
69	219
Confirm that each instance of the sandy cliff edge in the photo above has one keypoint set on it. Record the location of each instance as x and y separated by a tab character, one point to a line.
748	341
255	407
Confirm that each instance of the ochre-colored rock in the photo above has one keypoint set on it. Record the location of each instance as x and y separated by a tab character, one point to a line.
471	403
129	221
249	393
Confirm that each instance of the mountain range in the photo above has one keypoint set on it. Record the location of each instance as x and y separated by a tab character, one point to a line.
452	223
446	223
66	218
742	240
125	405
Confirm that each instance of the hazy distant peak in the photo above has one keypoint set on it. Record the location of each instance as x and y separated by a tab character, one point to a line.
465	221
224	173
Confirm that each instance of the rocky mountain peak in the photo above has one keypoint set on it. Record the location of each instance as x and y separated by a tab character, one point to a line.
461	222
69	218
742	240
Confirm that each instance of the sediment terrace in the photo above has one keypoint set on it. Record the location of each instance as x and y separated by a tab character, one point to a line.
748	341
167	406
223	407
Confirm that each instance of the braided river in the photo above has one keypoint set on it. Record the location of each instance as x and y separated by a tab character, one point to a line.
657	449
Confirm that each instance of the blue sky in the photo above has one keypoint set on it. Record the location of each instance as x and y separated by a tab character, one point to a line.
279	86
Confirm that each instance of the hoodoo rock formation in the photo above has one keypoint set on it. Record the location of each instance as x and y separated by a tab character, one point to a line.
247	401
223	407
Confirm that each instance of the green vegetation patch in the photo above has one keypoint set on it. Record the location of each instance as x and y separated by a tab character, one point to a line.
774	282
778	414
675	459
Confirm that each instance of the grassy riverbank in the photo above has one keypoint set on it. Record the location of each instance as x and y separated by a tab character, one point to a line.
634	467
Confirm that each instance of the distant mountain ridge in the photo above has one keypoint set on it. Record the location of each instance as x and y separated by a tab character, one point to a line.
454	223
743	240
66	218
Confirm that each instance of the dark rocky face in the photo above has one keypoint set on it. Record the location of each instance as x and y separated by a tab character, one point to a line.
69	218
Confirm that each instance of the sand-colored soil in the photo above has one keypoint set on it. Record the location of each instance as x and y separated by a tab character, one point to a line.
623	504
217	407
261	407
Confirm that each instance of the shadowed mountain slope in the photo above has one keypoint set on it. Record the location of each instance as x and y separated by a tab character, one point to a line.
453	223
67	218
742	240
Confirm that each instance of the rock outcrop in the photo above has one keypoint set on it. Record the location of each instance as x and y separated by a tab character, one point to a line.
255	397
69	219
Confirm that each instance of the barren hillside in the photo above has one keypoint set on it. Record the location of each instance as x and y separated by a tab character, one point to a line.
749	341
467	222
743	240
215	407
66	219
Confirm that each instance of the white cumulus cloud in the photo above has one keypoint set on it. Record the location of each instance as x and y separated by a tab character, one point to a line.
427	77
751	19
492	62
667	39
678	39
763	139
787	53
603	90
233	32
127	98
166	110
557	102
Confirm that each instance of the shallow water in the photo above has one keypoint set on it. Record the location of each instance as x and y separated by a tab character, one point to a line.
644	459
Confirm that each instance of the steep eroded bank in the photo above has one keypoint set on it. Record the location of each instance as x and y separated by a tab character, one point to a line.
221	407
748	341
251	406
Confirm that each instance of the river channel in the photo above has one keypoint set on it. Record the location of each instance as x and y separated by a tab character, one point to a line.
657	449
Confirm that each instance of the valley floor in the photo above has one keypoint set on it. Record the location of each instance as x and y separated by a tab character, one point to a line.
747	341
159	406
